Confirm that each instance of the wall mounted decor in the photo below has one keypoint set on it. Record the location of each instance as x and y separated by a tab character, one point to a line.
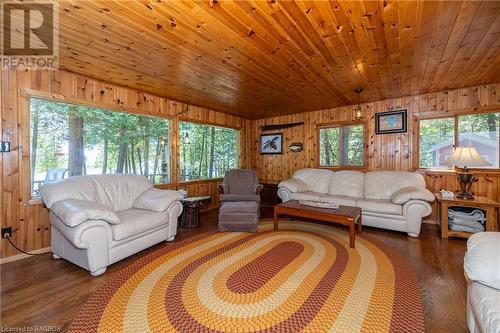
271	143
391	122
296	147
280	126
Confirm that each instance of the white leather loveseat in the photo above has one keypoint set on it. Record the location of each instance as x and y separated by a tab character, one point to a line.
482	271
99	220
395	200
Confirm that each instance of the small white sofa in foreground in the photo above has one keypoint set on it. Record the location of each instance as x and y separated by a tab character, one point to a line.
482	271
101	219
394	200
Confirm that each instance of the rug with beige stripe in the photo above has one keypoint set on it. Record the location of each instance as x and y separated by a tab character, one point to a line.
303	277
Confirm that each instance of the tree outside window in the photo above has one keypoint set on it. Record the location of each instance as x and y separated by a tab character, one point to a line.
342	146
438	137
71	140
209	152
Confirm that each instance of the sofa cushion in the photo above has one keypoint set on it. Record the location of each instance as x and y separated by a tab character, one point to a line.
73	212
317	180
382	184
116	192
313	196
405	194
379	206
482	259
156	200
346	182
343	200
136	221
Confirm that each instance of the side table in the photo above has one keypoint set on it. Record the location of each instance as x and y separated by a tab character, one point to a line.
483	203
190	217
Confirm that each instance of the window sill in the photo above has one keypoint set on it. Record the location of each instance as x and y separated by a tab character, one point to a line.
198	181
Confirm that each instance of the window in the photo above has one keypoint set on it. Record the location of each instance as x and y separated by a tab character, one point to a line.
69	140
438	137
342	146
206	151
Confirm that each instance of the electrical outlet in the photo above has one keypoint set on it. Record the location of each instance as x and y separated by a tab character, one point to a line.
6	232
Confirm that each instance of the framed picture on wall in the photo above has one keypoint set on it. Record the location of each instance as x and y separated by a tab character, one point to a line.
391	122
271	143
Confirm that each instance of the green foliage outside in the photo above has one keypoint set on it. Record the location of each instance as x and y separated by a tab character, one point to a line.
211	151
342	146
438	131
86	140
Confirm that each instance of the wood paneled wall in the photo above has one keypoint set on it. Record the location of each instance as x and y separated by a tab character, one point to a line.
30	221
385	152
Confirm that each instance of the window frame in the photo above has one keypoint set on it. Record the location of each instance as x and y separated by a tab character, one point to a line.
179	140
340	124
25	159
454	116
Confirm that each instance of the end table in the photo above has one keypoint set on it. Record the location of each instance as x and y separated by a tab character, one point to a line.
190	217
480	202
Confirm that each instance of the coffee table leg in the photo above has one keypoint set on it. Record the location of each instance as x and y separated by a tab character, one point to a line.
351	235
275	219
360	226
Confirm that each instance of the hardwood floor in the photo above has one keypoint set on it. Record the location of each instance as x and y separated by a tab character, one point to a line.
40	291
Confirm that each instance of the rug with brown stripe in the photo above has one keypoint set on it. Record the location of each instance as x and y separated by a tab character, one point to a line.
303	277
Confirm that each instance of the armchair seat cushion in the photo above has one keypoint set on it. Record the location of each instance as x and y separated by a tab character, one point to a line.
380	206
156	200
73	212
239	197
136	221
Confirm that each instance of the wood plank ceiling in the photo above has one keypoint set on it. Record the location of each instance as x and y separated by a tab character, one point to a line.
263	58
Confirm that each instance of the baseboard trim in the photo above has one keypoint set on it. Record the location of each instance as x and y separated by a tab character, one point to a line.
23	255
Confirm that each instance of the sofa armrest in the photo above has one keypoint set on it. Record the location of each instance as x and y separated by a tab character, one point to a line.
414	211
174	211
294	185
406	194
78	235
73	212
156	200
482	259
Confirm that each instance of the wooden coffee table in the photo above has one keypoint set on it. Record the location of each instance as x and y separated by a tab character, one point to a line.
345	215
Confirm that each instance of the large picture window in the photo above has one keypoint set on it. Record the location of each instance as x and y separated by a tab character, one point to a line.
438	137
342	146
206	151
70	140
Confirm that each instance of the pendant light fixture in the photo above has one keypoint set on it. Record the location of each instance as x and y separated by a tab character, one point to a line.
358	112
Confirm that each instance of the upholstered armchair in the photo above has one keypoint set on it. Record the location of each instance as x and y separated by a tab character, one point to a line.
240	185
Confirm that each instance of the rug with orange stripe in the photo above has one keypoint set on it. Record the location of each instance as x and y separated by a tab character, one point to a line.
303	277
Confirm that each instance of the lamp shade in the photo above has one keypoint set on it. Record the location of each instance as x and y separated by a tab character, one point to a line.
466	157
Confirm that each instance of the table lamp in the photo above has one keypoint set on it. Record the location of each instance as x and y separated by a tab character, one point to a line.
466	157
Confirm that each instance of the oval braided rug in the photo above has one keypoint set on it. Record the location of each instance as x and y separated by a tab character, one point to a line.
303	277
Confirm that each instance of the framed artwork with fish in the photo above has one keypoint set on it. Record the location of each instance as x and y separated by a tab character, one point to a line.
391	122
271	143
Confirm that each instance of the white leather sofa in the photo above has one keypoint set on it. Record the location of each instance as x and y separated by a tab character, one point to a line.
395	200
99	220
482	271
